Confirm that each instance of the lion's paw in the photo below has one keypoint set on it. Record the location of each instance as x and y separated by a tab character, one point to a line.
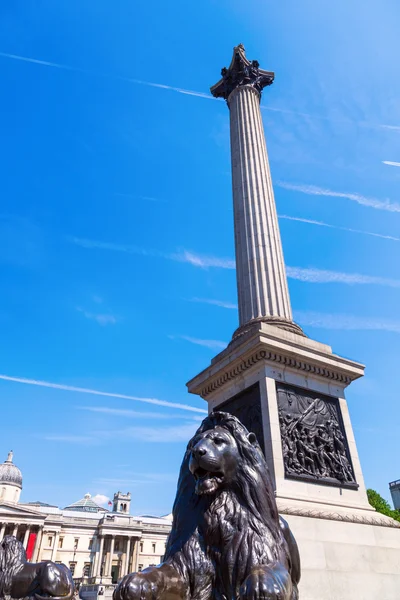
265	583
136	587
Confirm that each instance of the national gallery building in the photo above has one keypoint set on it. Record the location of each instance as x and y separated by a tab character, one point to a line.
99	546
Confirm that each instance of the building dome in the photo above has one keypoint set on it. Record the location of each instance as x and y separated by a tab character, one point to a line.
86	504
9	473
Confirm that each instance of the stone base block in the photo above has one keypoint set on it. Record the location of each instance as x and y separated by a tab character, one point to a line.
346	560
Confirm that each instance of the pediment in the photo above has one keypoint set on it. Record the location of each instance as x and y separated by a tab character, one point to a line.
14	509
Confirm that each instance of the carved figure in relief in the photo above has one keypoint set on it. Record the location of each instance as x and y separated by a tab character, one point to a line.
227	541
313	444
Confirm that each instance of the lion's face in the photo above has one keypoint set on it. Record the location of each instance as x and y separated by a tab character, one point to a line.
213	462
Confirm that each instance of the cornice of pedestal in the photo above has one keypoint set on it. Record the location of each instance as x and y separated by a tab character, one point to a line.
274	346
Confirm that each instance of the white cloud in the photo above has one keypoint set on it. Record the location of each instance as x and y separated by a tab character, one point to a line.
185	256
202	261
212	344
322	224
133	414
363	200
101	319
101	499
54	65
179	90
390	163
322	276
220	303
71	439
346	322
165	435
70	388
134	478
134	197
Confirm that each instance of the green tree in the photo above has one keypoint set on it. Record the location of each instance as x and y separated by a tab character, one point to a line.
381	505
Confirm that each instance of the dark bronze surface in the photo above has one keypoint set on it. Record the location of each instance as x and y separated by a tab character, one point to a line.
246	406
21	579
227	540
241	72
314	441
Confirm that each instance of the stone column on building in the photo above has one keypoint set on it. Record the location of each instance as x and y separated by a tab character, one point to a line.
100	556
127	556
2	530
55	546
15	530
263	294
39	537
135	556
110	560
26	536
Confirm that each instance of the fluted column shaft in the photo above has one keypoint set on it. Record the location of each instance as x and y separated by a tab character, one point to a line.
260	269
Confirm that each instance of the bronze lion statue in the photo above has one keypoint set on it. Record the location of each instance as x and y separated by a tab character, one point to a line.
22	579
227	540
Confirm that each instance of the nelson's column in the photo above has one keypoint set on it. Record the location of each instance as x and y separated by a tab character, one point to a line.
289	389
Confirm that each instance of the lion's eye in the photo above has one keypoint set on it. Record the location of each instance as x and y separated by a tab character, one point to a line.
219	441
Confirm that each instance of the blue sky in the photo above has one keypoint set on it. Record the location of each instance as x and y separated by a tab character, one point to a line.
116	233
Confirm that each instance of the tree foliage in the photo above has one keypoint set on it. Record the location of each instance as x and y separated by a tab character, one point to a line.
381	505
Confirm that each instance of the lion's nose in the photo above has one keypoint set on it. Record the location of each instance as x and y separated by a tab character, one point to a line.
199	451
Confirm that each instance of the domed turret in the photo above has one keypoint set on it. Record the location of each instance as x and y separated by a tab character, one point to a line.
10	480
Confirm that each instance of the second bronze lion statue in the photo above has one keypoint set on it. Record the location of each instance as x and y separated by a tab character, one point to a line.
227	540
22	579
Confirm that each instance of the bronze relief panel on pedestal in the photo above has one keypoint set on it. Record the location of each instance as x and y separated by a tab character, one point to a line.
314	442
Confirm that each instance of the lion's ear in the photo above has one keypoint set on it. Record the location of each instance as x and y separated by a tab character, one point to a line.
252	438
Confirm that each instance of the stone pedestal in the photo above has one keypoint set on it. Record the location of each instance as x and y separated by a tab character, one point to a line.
245	379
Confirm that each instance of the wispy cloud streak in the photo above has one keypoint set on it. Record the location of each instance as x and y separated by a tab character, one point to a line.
212	344
349	229
313	190
86	440
100	318
324	276
390	163
310	275
220	303
70	388
178	433
46	63
185	256
180	90
135	414
346	322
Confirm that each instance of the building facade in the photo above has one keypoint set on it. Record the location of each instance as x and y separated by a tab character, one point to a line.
99	546
394	487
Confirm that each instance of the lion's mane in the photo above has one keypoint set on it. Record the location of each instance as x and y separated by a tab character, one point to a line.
12	557
248	507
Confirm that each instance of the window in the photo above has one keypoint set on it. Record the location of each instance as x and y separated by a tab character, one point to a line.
154	547
140	568
50	541
90	544
76	542
86	570
72	566
60	542
116	546
141	546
